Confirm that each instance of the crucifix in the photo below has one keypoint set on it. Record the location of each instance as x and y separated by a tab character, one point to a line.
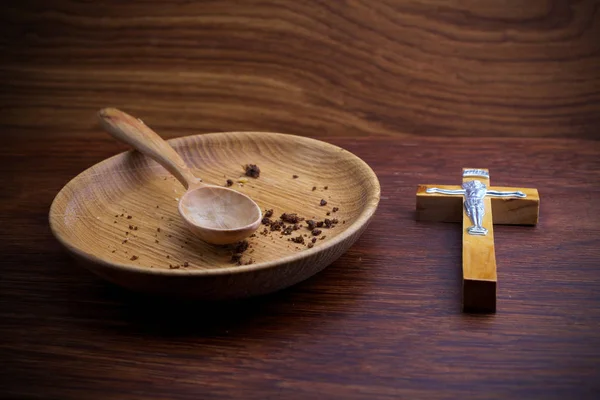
479	206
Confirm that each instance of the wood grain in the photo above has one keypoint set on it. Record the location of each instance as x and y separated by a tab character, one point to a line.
120	217
382	322
423	67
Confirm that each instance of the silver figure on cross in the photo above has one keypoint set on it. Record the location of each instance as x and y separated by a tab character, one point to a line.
474	192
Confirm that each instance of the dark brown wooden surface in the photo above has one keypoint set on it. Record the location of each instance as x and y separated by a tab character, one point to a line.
384	321
515	83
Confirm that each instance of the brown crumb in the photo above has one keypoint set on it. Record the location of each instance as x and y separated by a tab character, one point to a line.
291	218
241	247
126	233
131	227
314	188
313	240
186	264
135	228
319	224
157	206
266	221
113	251
328	213
252	170
122	215
228	183
311	224
269	213
173	266
115	222
344	221
133	258
326	187
323	237
310	245
157	229
288	230
328	223
117	216
298	239
323	202
129	217
335	209
295	176
276	225
316	232
124	241
168	256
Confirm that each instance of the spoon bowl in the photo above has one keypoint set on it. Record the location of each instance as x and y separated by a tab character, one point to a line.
219	215
215	214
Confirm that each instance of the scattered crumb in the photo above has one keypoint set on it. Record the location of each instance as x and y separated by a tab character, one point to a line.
316	232
319	224
269	213
157	229
310	245
168	256
113	251
328	213
229	182
323	237
326	187
173	266
129	217
133	258
186	264
335	209
252	170
291	218
323	202
266	221
314	188
298	239
313	240
295	176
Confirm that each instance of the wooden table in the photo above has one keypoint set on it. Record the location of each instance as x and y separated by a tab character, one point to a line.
418	90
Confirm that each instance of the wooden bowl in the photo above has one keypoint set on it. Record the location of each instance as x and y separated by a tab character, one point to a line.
119	218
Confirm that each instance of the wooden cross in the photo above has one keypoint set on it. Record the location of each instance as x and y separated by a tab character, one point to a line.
479	206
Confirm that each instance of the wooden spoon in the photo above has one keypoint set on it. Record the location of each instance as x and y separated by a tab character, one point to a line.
216	214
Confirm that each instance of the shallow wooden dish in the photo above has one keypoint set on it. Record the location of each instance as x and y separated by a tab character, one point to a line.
119	218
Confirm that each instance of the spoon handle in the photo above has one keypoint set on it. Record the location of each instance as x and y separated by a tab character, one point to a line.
134	132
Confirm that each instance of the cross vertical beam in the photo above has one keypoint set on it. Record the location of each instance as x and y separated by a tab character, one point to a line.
479	258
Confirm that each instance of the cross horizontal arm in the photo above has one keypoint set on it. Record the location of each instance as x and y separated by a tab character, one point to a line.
505	210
